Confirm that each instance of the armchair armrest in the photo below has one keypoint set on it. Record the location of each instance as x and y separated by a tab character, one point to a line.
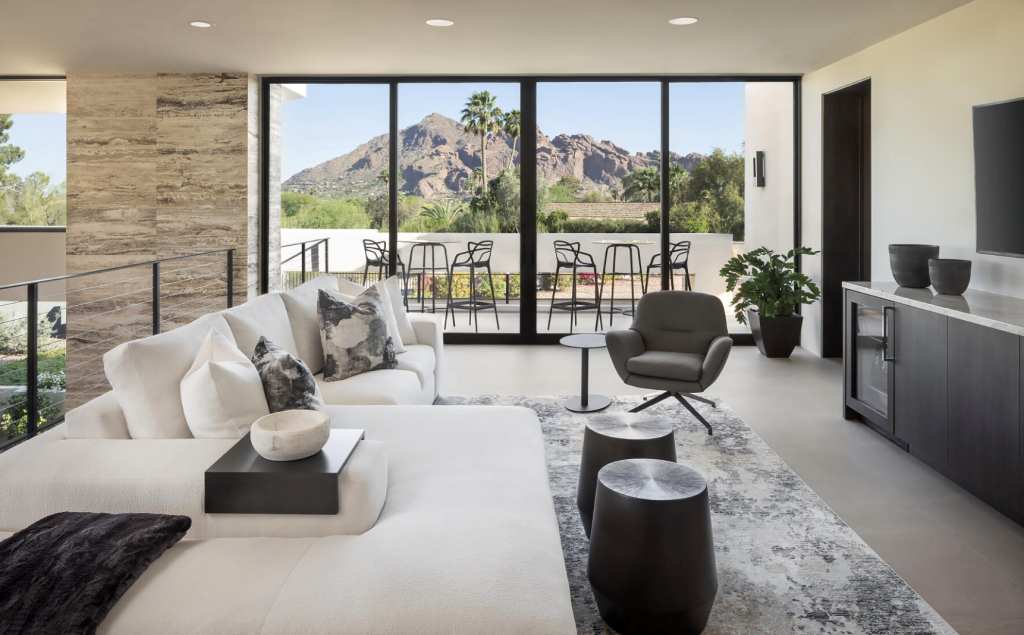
430	331
622	347
715	360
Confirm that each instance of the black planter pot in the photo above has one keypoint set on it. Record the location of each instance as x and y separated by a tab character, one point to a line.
909	264
949	276
775	336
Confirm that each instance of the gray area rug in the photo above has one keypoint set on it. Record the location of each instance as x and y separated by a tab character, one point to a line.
786	562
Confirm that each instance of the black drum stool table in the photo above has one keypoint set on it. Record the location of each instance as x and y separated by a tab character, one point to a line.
652	553
614	436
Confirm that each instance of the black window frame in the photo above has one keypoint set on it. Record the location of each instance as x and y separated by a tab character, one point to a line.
528	182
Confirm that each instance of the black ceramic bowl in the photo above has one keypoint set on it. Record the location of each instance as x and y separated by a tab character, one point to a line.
949	276
909	264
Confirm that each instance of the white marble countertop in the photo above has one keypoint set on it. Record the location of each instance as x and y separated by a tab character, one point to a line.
1001	312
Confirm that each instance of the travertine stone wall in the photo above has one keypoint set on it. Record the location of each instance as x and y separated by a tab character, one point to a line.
159	165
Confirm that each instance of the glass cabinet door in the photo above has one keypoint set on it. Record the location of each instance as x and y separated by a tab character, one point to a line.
871	370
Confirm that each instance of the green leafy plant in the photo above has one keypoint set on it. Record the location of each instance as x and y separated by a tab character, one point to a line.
768	282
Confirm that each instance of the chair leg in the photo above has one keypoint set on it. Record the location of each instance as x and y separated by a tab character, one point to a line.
554	290
472	299
693	411
494	299
647	404
686	272
572	303
611	300
700	399
366	273
448	306
632	282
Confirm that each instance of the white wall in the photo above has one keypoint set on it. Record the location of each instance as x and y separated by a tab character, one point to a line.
924	83
769	127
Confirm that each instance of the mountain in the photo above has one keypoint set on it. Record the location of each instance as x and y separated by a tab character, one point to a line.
437	156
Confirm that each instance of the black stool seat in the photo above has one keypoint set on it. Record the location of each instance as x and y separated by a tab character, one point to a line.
652	554
615	436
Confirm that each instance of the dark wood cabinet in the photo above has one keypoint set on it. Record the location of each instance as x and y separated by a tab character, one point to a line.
983	397
919	350
868	388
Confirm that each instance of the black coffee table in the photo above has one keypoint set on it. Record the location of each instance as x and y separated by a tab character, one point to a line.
243	482
586	402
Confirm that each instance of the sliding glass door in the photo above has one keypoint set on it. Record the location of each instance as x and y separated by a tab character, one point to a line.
521	209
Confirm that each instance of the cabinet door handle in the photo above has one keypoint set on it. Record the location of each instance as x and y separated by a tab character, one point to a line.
890	340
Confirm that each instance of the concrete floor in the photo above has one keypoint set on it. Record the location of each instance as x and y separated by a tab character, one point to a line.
964	558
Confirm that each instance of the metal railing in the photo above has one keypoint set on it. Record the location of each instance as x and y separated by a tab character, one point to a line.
164	294
314	252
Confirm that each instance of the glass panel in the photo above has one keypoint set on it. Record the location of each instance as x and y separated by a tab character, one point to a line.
598	204
459	213
871	383
329	154
719	209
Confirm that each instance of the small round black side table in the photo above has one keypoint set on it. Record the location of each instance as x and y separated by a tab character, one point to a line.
586	402
652	553
614	436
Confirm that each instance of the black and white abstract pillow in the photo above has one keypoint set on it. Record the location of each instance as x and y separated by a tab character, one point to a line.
355	335
287	382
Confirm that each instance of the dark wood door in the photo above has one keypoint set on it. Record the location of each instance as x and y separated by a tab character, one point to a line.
846	203
920	351
983	396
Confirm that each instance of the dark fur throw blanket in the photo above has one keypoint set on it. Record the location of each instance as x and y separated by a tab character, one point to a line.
65	572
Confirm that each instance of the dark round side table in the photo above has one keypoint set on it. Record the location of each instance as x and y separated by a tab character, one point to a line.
614	436
652	554
586	402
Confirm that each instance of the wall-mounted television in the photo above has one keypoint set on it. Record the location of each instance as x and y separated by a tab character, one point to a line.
999	177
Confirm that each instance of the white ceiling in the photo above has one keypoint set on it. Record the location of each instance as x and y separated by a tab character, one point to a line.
489	37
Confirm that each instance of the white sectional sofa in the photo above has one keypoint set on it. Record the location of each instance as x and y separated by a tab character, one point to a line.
446	525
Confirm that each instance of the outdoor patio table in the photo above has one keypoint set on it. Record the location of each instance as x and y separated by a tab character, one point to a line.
423	244
612	247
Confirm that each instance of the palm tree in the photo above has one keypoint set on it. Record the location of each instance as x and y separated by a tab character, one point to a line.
511	124
642	184
483	117
443	213
384	177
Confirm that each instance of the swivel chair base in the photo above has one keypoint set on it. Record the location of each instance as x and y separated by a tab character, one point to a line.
650	401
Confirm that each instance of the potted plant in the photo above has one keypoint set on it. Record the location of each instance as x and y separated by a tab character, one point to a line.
766	290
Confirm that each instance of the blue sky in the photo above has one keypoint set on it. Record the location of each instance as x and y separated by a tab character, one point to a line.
42	137
335	118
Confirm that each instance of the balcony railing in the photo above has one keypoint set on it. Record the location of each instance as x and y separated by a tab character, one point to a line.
41	376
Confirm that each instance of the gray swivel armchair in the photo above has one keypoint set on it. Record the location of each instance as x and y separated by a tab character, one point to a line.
678	343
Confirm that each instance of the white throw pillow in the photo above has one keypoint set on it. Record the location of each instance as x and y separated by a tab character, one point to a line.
222	393
405	329
389	315
146	375
263	316
300	303
347	287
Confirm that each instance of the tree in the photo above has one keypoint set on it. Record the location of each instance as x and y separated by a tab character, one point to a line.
571	183
377	210
482	116
385	177
443	213
31	201
512	125
9	153
642	184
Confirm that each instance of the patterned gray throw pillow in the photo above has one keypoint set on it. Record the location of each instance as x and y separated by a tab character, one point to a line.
355	335
287	382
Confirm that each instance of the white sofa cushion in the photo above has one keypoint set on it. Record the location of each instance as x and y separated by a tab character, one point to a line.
222	393
379	388
389	316
300	303
263	316
146	374
52	474
418	359
394	286
99	418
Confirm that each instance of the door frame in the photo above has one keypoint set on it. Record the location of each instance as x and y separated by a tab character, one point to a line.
528	182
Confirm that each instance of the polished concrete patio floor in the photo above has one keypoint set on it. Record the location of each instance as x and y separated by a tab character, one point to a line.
964	558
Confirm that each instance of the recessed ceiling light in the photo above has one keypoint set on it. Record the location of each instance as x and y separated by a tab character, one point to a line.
682	21
440	22
201	24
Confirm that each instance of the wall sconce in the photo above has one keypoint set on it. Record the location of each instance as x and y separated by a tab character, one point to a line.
759	168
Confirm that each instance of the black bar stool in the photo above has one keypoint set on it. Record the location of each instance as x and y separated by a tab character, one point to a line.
420	272
569	256
377	256
679	258
613	249
478	256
